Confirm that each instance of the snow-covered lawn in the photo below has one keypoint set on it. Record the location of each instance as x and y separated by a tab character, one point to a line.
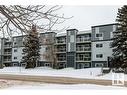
69	87
91	73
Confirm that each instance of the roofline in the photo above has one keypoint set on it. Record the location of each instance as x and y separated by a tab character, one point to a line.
104	25
25	35
71	29
60	36
47	32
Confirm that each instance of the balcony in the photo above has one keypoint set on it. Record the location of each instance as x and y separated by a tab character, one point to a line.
83	59
61	50
83	40
7	53
83	49
7	60
61	41
61	58
7	46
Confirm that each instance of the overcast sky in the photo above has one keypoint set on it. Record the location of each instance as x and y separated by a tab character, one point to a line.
87	16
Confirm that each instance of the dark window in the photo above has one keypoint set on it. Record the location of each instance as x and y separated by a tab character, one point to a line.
15	50
99	55
99	35
15	57
99	45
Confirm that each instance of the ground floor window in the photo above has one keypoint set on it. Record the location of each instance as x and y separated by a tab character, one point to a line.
83	65
47	64
62	65
98	64
15	64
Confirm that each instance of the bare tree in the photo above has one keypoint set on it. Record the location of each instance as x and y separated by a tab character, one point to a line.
19	19
23	17
50	53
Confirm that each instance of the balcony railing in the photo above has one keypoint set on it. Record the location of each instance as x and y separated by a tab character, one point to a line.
83	49
84	59
83	39
60	42
61	50
61	59
7	53
7	60
7	46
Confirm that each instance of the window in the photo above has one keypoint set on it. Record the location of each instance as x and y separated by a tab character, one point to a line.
99	45
83	65
99	55
15	43
98	64
98	35
47	48
47	64
15	57
15	50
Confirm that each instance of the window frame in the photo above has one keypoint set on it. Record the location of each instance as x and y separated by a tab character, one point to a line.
97	56
99	45
99	35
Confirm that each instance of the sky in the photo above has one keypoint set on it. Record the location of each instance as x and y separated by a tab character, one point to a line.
86	16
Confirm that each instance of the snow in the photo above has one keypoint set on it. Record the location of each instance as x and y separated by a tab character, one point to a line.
90	73
32	85
55	86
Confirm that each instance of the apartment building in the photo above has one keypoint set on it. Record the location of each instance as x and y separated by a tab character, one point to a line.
6	51
77	49
45	39
17	50
101	39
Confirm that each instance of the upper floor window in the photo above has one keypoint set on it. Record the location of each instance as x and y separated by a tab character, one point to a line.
15	43
99	56
99	45
15	57
15	50
99	35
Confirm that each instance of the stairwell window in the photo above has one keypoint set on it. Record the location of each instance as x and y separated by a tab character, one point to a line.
99	35
99	56
15	57
15	50
99	45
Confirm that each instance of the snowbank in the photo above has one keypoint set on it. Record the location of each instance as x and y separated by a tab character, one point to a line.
90	73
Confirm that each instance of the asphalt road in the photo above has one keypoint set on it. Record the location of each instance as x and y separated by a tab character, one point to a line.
56	80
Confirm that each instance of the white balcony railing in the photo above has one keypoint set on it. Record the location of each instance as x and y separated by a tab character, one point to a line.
7	60
7	46
83	39
7	53
83	49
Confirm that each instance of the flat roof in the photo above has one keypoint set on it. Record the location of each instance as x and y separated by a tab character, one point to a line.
105	25
84	32
78	33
